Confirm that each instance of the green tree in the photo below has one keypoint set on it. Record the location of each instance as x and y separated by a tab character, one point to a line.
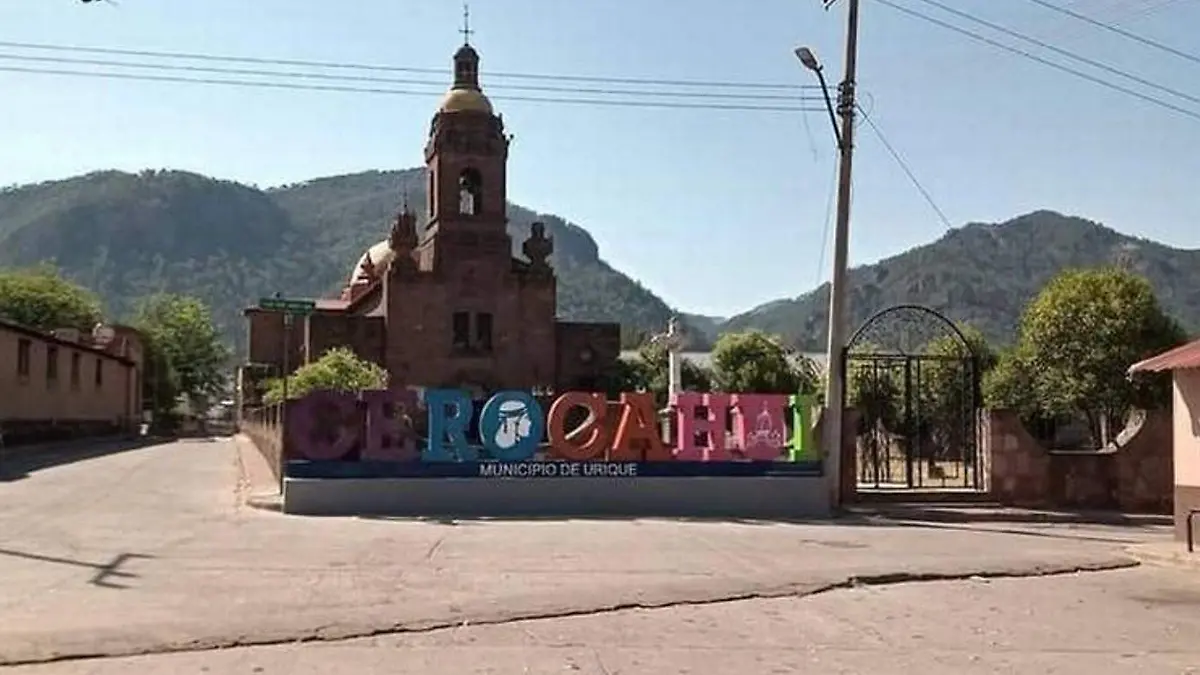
948	387
755	362
1079	336
874	387
652	373
338	369
39	298
184	351
1010	384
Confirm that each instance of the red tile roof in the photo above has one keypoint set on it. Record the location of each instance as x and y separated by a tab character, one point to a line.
1180	358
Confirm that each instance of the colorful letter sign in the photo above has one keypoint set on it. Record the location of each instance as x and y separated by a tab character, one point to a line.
576	427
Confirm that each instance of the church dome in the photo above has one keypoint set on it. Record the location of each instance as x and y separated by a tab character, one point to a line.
380	254
461	99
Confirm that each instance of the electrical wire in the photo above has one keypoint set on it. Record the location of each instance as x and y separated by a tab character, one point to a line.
1118	31
389	80
403	69
825	231
912	177
1046	62
403	92
1059	50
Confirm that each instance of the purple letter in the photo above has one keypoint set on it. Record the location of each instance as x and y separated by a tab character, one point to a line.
322	425
389	418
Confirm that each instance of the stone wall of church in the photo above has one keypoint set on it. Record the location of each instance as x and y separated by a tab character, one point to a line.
364	335
420	327
585	351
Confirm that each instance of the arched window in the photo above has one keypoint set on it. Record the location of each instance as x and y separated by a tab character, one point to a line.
469	192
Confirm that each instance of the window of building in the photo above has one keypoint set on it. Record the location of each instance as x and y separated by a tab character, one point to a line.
483	332
24	347
469	192
75	359
99	372
462	330
52	364
432	195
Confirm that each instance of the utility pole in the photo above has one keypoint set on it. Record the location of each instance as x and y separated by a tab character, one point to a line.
283	406
835	382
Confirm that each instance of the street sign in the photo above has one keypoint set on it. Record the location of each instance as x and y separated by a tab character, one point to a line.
288	305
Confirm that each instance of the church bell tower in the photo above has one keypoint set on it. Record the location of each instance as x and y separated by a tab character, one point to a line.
466	161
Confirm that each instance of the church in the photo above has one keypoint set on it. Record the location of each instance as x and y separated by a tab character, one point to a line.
449	305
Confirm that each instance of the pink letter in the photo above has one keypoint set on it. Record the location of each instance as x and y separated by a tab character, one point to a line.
390	435
758	424
711	424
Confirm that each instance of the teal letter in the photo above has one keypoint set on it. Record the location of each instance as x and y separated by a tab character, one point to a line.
511	426
801	447
449	414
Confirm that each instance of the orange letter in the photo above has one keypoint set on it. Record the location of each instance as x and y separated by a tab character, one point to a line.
638	437
592	432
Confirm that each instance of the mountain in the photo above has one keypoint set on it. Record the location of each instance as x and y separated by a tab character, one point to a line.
129	235
984	274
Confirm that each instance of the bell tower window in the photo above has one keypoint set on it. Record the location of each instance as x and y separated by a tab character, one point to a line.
431	194
469	189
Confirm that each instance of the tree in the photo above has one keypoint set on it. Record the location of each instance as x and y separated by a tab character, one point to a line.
338	369
652	373
1009	385
754	362
39	298
1079	336
948	386
184	352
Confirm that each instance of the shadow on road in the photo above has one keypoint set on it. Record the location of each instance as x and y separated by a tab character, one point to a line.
105	572
20	461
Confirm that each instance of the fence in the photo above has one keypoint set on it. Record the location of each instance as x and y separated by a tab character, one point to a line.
263	427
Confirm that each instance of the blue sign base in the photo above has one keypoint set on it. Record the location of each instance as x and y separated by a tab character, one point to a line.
550	469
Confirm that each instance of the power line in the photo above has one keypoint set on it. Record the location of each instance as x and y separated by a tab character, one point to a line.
1059	50
904	166
402	92
1046	62
390	80
402	69
1118	31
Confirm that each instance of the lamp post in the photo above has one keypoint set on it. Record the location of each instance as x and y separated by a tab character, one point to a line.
835	379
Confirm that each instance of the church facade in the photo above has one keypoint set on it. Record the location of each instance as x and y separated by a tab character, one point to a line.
450	306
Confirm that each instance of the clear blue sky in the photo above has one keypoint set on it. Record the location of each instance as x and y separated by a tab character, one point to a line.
989	134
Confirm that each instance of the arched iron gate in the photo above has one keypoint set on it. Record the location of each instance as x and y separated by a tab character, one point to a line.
914	378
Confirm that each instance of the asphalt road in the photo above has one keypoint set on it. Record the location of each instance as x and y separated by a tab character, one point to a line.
149	561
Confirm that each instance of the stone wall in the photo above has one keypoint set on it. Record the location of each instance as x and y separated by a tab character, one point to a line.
1134	474
262	427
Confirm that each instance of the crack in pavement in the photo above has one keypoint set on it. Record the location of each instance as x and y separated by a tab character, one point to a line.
331	634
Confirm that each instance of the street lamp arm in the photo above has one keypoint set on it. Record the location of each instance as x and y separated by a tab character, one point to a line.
837	134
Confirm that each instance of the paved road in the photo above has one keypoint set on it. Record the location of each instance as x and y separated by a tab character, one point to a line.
152	551
1128	622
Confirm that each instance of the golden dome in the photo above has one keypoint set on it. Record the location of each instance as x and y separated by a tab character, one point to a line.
459	99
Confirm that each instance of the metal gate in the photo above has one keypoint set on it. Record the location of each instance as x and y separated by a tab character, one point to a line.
914	379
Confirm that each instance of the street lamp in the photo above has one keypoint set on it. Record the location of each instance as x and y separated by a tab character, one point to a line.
809	60
835	380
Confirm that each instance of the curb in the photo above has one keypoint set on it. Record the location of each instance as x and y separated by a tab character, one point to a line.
1170	555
